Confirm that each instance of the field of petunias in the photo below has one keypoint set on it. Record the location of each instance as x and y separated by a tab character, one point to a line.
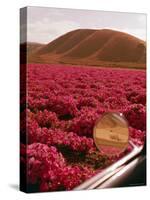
62	105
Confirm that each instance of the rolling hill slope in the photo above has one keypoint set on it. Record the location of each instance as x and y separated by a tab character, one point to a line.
91	46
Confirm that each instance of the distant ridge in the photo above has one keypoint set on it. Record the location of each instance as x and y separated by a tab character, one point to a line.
92	46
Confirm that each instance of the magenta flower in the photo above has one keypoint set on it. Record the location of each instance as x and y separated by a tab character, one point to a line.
63	104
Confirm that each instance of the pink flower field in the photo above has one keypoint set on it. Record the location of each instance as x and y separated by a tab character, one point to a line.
63	104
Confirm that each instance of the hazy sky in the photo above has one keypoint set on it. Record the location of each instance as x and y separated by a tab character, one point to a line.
46	24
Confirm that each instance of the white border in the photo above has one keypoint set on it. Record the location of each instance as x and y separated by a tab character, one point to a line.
9	99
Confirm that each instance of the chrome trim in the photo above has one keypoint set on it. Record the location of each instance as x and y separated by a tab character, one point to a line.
99	178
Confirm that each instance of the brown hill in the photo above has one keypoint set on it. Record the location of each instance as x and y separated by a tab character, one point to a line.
94	47
34	47
52	46
28	49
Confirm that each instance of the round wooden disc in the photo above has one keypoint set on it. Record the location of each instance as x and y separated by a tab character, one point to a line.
111	133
